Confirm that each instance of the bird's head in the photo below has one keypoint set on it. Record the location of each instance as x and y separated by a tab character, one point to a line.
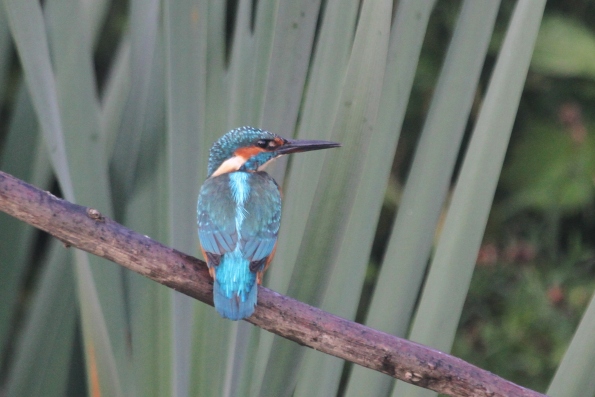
249	149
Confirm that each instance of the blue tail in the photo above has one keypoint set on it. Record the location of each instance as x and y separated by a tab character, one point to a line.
234	290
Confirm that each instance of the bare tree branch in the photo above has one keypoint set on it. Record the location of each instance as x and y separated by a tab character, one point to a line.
86	229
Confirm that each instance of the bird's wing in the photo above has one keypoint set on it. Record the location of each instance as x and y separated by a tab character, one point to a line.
261	224
216	217
217	226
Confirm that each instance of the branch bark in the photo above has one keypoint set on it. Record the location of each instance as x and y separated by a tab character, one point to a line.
87	229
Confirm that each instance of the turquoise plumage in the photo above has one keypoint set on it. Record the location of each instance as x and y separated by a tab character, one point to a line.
239	212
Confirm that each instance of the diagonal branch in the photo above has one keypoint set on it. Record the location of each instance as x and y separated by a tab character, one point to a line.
86	229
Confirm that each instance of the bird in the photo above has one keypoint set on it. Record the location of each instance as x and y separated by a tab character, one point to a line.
239	213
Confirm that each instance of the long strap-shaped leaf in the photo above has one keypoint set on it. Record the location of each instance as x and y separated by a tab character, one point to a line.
282	44
22	142
45	348
334	197
150	305
143	32
234	103
187	150
405	260
211	332
321	99
75	77
448	281
5	52
574	377
28	29
320	371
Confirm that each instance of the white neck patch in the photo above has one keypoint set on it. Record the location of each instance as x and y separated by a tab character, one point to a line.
230	165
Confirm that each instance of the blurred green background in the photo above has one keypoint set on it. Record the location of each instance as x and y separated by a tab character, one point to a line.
114	104
535	272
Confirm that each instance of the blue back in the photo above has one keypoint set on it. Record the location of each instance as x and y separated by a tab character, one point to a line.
238	221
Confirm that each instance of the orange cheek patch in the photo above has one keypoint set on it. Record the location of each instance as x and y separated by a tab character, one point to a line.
247	152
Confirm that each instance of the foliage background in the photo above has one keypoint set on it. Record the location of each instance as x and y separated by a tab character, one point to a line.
137	91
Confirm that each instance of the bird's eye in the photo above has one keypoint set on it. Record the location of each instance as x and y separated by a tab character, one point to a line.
266	143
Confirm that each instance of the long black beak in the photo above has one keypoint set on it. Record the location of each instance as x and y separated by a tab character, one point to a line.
297	146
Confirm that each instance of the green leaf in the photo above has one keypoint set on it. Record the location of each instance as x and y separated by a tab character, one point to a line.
147	211
211	336
320	100
341	179
44	349
448	280
23	142
574	376
115	95
101	283
242	102
150	303
188	143
293	38
5	53
28	30
411	241
76	81
324	372
143	37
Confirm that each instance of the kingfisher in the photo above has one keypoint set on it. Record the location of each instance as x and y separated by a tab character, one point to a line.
239	212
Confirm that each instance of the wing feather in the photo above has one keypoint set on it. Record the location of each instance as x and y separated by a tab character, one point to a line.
216	227
260	225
